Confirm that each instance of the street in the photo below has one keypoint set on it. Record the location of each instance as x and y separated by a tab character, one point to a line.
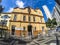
37	41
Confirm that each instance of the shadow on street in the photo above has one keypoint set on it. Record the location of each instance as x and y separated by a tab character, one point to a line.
12	41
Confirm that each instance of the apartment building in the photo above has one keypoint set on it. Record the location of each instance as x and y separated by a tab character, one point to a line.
56	12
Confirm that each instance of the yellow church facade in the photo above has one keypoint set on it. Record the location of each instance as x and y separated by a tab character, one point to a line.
24	21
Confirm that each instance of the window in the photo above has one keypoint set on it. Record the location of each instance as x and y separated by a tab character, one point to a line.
13	29
35	11
40	19
42	28
24	18
15	17
29	18
34	19
5	17
24	28
34	28
4	22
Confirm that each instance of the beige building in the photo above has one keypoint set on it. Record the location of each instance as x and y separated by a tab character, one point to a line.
24	21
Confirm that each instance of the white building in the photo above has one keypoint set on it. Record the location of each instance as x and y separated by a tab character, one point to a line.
47	12
56	14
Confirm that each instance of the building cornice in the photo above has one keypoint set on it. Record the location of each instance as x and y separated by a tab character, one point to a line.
24	14
27	8
28	22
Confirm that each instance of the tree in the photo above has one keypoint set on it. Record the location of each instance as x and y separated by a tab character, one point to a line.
48	23
54	22
51	23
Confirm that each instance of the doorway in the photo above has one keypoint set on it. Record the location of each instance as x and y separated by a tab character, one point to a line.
13	30
29	29
42	28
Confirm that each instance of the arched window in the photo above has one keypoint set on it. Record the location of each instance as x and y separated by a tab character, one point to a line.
5	17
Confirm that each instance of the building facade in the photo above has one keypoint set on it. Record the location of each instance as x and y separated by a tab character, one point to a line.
58	1
56	12
24	21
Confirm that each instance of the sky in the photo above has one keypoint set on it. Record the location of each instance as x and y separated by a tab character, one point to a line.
10	4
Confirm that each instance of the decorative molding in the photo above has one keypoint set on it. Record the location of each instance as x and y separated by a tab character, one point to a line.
23	13
27	22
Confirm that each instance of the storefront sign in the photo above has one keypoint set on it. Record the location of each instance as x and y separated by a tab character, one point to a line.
18	28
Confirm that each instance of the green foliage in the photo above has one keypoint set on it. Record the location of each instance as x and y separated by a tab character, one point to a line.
54	21
48	23
51	23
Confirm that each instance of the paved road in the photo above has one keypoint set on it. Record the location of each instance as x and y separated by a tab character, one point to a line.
12	42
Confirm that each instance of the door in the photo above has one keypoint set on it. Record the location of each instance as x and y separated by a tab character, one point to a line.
42	28
13	29
29	29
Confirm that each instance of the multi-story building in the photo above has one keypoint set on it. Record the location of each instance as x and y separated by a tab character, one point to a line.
56	12
58	1
24	21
